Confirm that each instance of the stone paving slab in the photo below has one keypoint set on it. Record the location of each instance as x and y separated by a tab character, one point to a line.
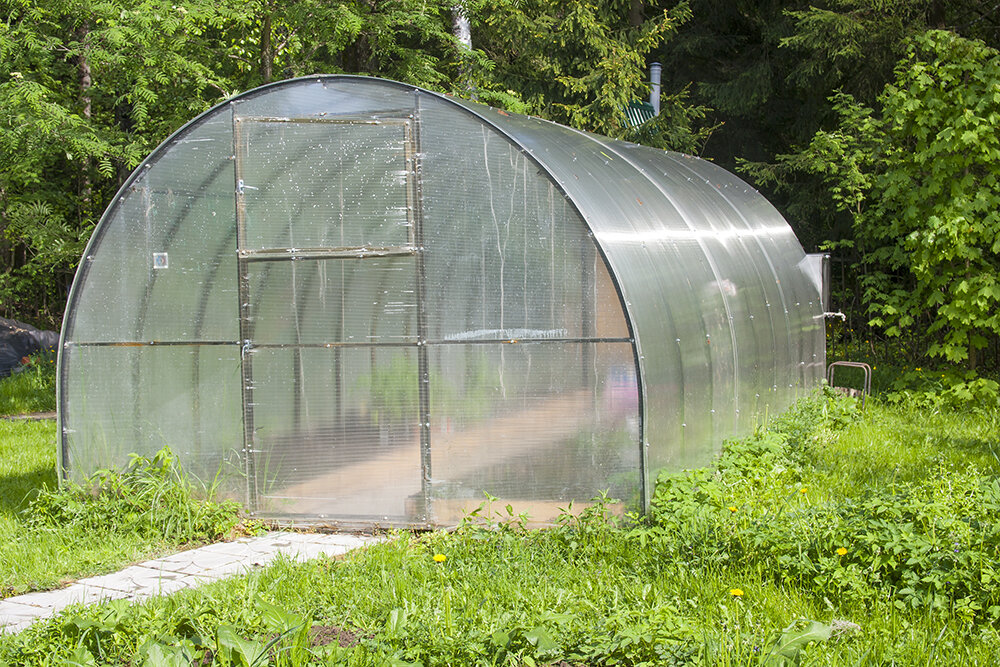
186	569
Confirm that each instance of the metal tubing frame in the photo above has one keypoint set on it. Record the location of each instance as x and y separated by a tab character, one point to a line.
866	387
246	328
414	195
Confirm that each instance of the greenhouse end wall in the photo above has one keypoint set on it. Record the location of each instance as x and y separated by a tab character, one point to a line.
352	301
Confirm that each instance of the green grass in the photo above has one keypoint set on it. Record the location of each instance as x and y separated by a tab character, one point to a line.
49	536
31	390
911	497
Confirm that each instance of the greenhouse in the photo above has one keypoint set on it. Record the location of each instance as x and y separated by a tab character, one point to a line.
350	301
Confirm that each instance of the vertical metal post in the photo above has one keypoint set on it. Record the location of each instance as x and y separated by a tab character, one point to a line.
587	310
246	329
415	208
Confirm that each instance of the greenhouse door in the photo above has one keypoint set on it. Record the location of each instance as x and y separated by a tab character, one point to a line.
328	226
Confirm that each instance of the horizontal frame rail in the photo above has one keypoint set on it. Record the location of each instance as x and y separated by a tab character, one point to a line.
266	346
353	252
149	343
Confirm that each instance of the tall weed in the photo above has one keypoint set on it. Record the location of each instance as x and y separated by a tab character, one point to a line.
151	498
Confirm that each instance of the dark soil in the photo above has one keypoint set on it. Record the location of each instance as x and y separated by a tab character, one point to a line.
322	635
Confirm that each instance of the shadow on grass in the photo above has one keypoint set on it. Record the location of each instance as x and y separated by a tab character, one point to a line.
16	490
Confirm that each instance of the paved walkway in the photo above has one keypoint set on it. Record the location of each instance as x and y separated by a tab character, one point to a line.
186	569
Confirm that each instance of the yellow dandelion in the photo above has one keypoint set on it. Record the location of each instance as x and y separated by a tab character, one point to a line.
736	592
841	551
803	490
440	558
732	508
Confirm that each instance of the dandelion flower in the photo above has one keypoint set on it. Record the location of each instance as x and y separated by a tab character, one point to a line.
736	592
841	551
803	490
440	558
732	508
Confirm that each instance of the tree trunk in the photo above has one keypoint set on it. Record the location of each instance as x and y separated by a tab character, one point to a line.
266	48
635	13
462	29
936	15
86	83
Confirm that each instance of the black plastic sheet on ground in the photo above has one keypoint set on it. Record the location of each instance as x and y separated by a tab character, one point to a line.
19	340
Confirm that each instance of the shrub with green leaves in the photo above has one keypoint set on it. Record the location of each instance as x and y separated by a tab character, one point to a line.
151	497
928	544
920	176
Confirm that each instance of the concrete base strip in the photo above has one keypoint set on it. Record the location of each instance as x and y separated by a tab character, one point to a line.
186	569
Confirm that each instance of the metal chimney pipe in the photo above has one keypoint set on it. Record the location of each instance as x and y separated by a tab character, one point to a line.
654	91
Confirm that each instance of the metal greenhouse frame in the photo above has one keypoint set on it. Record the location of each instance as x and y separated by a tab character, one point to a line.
348	300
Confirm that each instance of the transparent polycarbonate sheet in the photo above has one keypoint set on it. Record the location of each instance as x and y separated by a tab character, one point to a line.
337	433
668	282
744	275
801	298
536	425
323	97
324	184
506	256
333	301
124	400
166	246
675	241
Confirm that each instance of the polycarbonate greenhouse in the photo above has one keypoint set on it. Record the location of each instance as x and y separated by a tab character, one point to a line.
353	301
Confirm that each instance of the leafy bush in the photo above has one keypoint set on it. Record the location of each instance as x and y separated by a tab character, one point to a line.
151	497
929	544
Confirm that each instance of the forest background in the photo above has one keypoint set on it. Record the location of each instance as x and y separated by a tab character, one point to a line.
872	125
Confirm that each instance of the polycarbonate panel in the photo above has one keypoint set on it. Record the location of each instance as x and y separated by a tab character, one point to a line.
744	274
324	184
326	96
805	335
336	433
671	231
537	425
506	255
166	246
369	300
120	400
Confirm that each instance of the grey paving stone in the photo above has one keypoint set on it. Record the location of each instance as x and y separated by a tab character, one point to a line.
186	569
130	579
62	598
193	562
12	612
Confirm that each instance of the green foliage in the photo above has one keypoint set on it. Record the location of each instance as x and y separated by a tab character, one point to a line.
575	63
151	497
921	544
920	179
